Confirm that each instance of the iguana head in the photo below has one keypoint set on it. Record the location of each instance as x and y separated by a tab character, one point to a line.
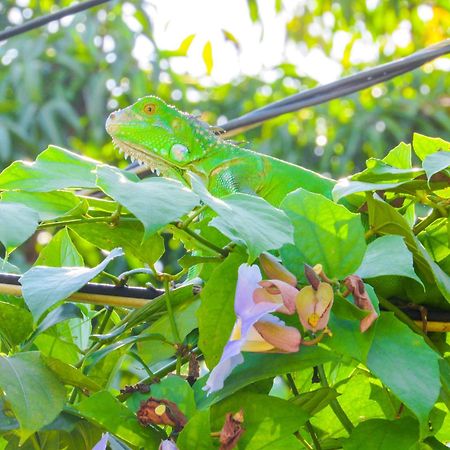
159	135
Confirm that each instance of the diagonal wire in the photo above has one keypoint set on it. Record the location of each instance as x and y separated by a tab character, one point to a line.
337	89
40	21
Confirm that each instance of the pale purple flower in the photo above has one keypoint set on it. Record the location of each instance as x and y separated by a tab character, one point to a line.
101	444
255	328
167	444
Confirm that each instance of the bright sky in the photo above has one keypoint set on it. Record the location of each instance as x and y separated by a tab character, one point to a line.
259	52
261	48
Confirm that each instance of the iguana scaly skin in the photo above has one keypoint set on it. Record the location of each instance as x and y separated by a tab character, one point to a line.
173	142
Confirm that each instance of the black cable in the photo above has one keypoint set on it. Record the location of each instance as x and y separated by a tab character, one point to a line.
40	21
339	88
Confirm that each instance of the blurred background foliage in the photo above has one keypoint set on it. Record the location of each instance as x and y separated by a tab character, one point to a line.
58	83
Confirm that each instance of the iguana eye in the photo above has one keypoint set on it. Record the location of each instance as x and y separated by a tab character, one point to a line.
150	108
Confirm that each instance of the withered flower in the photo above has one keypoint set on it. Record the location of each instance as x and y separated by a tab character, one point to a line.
161	412
356	287
232	430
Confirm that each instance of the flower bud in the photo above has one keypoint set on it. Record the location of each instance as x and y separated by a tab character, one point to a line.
275	270
356	287
311	276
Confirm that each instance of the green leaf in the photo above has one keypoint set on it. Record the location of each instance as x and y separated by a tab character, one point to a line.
393	172
354	387
48	205
208	57
390	248
324	233
405	363
314	401
266	419
105	410
55	168
28	386
247	219
436	162
379	172
218	302
186	321
156	308
60	251
259	366
95	357
64	312
379	434
384	219
177	390
155	201
197	433
7	267
345	187
16	323
68	374
347	338
18	223
399	156
424	145
127	235
436	239
43	287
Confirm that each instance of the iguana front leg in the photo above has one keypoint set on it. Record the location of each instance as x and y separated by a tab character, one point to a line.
238	175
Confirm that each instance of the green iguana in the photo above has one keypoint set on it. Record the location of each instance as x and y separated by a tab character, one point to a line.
173	142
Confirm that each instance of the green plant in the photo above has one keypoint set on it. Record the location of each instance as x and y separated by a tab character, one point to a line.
390	382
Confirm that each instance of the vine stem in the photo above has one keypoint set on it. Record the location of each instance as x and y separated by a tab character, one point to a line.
173	324
192	217
335	406
434	215
308	424
56	223
205	242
